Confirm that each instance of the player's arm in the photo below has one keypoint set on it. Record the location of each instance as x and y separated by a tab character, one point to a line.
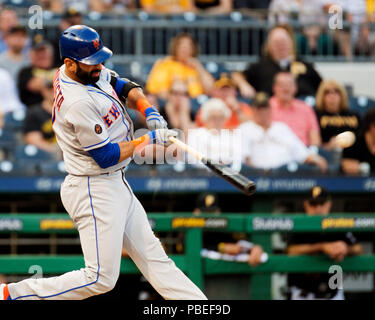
114	153
131	93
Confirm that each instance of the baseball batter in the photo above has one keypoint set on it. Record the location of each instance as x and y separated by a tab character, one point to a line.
95	134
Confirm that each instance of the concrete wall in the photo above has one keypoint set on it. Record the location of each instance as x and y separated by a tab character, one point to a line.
361	76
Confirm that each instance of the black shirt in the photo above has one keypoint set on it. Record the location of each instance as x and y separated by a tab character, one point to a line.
333	124
38	119
261	75
316	283
359	151
25	75
204	4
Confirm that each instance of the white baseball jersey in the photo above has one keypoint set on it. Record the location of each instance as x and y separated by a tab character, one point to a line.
85	118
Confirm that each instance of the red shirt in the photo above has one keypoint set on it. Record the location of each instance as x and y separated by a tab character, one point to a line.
300	117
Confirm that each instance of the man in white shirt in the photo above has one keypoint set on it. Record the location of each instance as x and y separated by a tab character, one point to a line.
268	144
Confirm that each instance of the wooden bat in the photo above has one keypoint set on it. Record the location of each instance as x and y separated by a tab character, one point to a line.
236	179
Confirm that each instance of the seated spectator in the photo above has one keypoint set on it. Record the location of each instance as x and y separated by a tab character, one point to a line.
70	17
268	144
226	90
8	20
213	6
334	116
312	286
360	157
169	7
177	111
9	100
295	113
113	6
212	140
280	55
33	79
14	59
58	6
38	124
182	64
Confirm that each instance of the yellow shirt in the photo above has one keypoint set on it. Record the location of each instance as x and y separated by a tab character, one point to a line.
166	71
370	4
163	6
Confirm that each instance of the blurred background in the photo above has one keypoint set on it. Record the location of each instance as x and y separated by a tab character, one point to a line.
288	75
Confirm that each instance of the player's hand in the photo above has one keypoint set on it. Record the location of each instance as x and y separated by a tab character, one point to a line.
255	257
154	120
336	250
161	136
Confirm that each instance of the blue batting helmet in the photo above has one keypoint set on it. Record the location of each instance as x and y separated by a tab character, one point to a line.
83	44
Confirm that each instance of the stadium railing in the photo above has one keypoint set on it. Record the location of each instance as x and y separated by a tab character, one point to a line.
260	226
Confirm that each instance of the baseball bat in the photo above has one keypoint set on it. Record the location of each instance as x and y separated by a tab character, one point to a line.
242	183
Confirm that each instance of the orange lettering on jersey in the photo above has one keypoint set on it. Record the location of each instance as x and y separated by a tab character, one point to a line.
107	120
114	111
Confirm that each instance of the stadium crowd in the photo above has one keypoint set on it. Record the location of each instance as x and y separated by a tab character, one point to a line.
258	117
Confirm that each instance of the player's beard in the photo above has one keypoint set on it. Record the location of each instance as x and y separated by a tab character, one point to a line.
87	77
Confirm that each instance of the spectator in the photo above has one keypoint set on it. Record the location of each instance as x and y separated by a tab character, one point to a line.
251	4
268	144
213	6
360	157
55	6
177	111
113	6
334	116
299	116
14	59
280	55
8	20
226	90
163	7
38	124
212	140
9	100
355	35
32	79
182	64
307	286
70	17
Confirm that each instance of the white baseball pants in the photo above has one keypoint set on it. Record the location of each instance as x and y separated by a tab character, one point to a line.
108	217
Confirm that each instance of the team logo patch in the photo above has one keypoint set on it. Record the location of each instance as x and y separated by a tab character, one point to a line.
98	129
96	44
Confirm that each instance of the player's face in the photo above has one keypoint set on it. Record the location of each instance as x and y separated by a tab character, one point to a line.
88	74
317	208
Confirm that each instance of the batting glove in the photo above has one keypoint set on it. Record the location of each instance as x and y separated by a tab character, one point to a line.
154	120
161	136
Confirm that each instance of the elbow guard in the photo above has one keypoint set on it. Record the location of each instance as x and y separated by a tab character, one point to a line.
122	86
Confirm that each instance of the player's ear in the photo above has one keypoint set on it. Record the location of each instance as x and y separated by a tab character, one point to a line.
70	65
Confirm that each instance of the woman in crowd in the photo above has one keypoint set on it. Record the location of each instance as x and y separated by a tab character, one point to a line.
334	116
181	64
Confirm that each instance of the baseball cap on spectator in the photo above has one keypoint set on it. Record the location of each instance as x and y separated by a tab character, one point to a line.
261	100
71	12
18	29
39	42
224	81
208	202
318	195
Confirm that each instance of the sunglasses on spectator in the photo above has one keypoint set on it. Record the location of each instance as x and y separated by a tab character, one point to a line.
330	91
179	93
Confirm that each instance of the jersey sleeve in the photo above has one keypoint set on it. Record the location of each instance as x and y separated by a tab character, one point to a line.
88	125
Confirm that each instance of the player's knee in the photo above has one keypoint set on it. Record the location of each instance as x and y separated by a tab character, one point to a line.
102	282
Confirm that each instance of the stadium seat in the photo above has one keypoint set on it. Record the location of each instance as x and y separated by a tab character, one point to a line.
361	104
52	168
31	154
17	168
14	120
